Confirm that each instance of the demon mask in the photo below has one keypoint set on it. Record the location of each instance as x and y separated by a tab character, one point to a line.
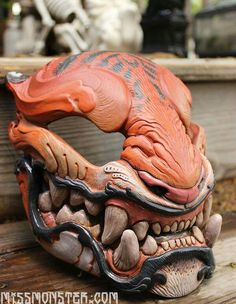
143	221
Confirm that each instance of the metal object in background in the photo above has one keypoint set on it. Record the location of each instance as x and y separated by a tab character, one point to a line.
214	30
164	25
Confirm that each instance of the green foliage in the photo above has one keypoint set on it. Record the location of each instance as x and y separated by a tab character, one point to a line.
196	6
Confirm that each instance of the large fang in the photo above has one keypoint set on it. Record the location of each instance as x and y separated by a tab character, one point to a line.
150	246
115	222
58	195
207	209
141	229
212	229
126	255
93	208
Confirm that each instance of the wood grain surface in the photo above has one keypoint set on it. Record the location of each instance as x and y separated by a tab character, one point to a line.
186	69
28	268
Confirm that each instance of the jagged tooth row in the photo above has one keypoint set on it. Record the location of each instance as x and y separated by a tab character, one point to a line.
182	242
55	198
116	224
178	226
63	199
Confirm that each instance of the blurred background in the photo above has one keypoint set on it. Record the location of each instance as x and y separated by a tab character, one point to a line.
171	28
195	39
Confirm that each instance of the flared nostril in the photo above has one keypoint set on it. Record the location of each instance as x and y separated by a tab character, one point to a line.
158	190
177	195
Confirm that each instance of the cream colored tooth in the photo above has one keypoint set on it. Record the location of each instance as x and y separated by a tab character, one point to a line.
199	220
126	255
94	208
172	244
178	243
95	230
150	246
193	240
141	229
212	229
187	225
81	217
181	226
86	258
165	245
115	222
45	202
193	221
156	228
174	227
198	234
58	195
76	199
183	241
207	209
166	228
64	215
67	248
188	240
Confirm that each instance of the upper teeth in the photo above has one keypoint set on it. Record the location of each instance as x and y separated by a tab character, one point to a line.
58	195
115	222
45	202
75	198
150	246
81	211
141	229
93	208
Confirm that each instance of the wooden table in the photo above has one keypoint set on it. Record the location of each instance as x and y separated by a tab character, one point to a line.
25	266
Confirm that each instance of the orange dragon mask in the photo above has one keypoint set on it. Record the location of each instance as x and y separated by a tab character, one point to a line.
143	221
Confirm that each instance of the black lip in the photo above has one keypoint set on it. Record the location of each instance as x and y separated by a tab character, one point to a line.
148	274
110	192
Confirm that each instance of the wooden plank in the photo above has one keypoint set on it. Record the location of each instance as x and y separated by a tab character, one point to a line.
214	108
34	269
16	236
186	69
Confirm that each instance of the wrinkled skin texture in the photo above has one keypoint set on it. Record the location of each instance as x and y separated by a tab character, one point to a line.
142	221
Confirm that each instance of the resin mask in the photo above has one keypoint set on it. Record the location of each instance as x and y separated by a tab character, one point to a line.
143	221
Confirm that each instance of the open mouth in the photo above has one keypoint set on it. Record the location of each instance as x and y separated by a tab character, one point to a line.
142	221
102	238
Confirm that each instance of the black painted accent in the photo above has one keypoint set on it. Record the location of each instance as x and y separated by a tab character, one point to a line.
65	64
90	58
110	192
137	90
128	74
117	67
157	88
148	274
